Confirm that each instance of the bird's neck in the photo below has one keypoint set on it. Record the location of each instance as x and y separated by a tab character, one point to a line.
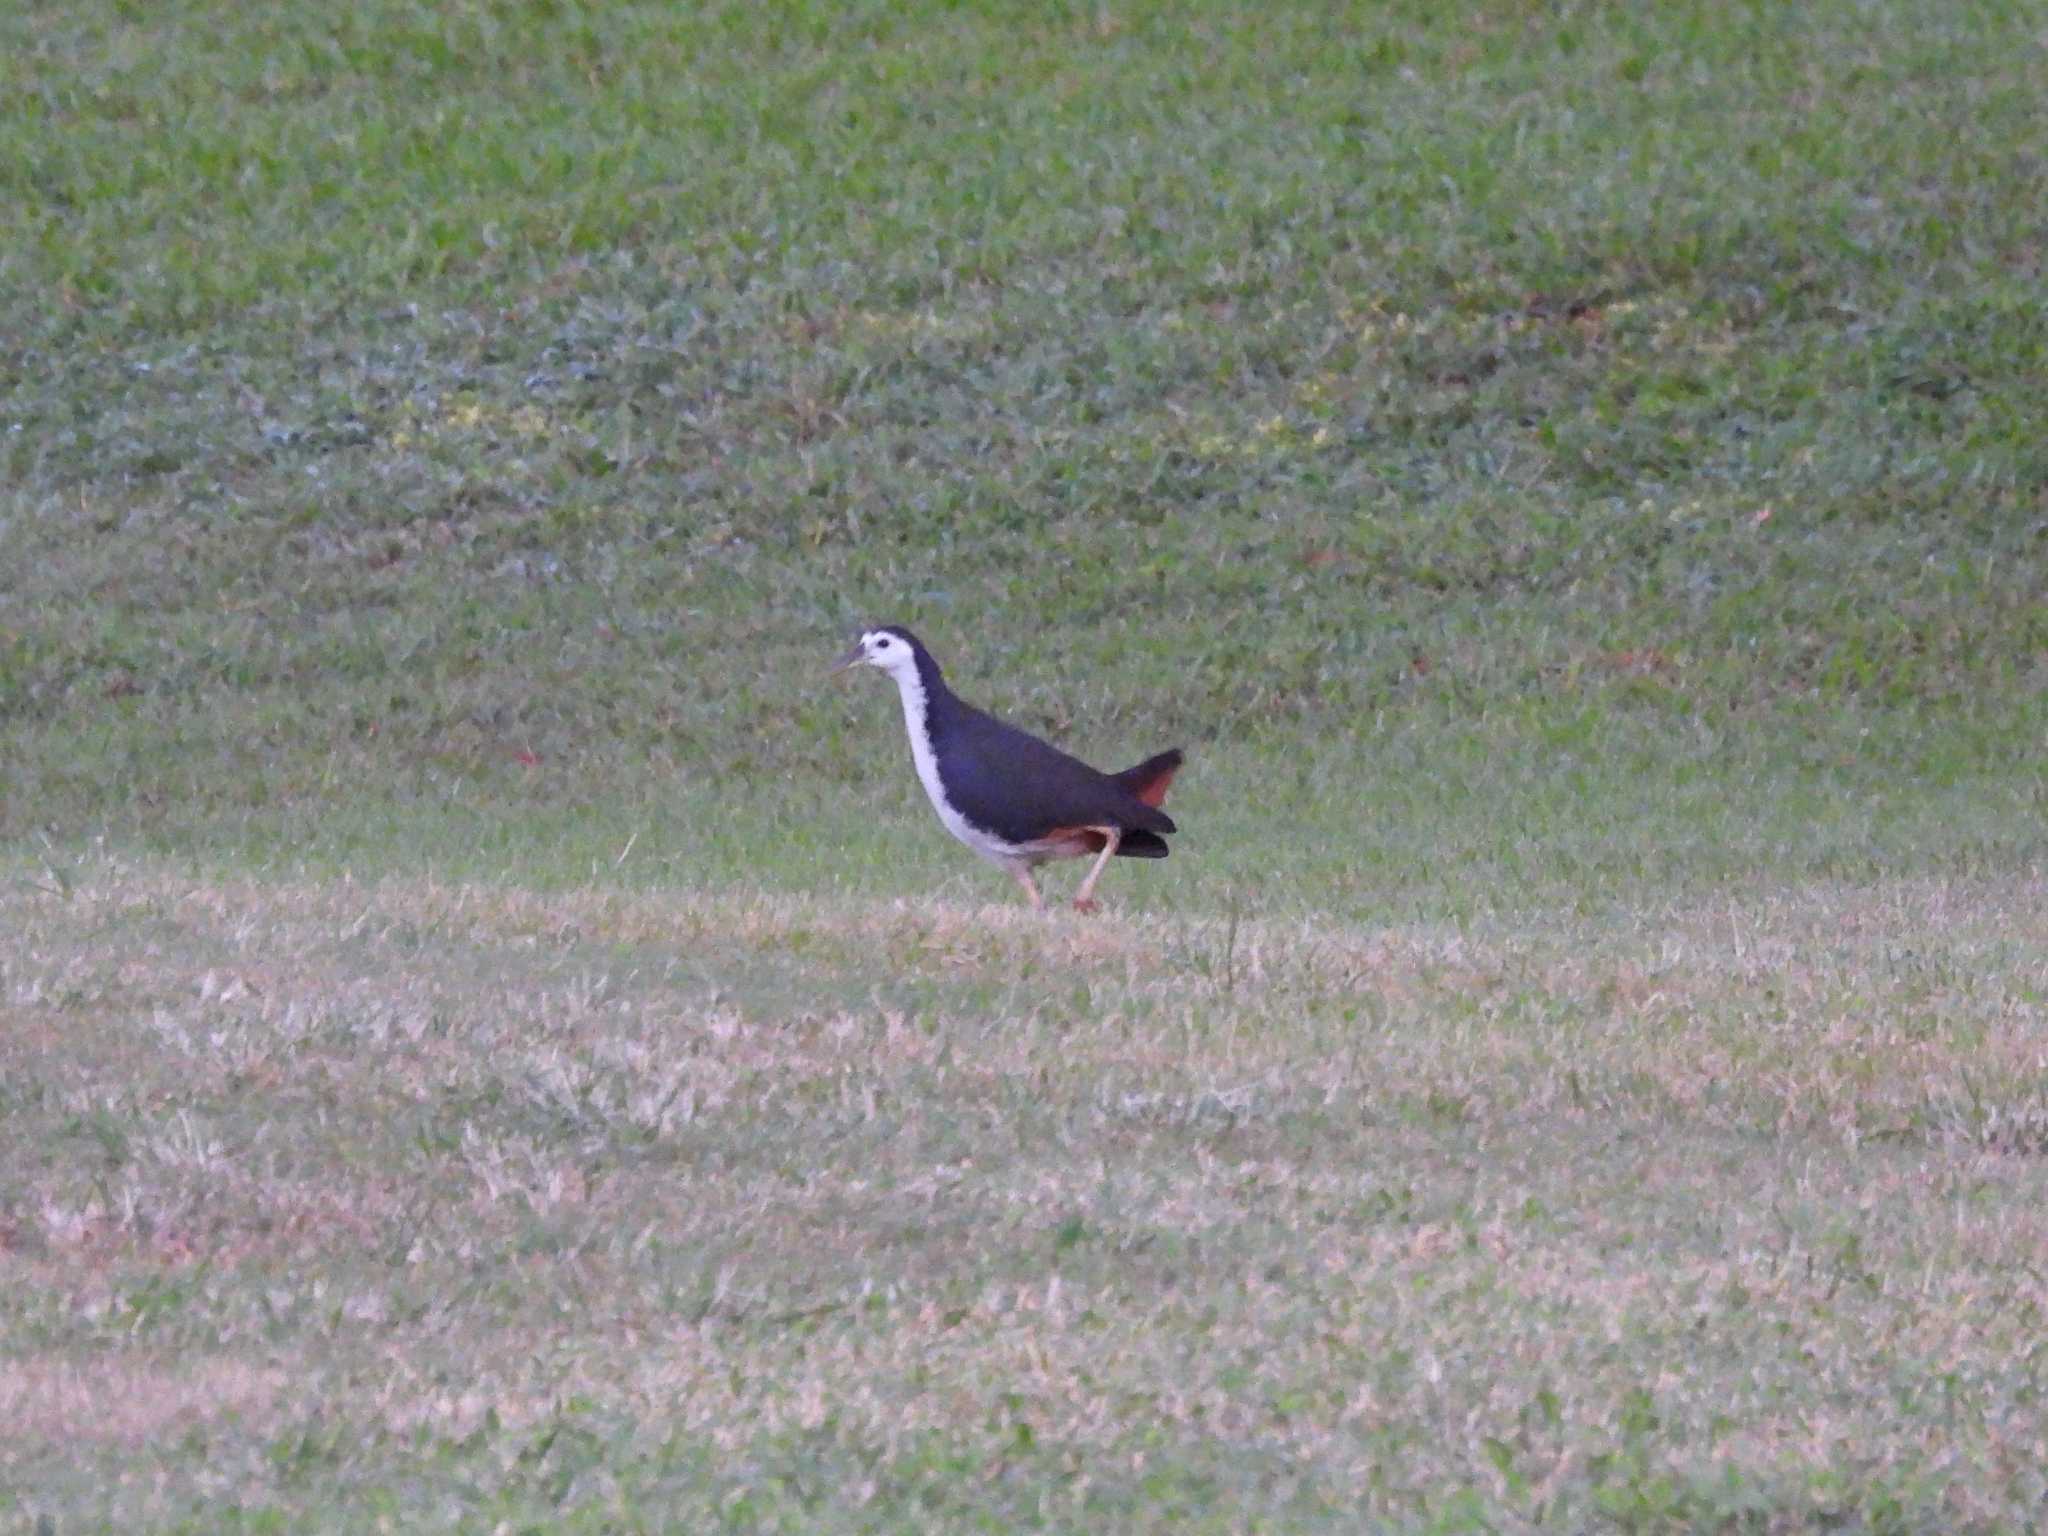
925	697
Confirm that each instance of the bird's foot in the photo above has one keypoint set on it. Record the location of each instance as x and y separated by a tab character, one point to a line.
1086	904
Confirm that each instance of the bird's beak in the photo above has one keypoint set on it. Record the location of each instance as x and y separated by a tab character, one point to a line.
847	660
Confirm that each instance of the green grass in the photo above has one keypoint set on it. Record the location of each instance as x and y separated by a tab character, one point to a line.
1574	478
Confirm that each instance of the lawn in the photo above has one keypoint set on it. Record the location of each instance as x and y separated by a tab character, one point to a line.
491	1037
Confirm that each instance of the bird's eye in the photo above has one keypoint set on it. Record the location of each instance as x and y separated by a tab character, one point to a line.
882	644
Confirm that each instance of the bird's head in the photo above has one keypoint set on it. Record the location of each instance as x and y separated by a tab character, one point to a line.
890	648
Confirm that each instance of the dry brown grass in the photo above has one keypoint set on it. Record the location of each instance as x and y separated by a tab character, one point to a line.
59	1403
1703	1209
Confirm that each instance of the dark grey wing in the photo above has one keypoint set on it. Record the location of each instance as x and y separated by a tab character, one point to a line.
1020	788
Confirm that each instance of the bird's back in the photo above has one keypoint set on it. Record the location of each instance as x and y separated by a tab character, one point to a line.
1021	788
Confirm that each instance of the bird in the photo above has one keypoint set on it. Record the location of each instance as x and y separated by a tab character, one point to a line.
1015	800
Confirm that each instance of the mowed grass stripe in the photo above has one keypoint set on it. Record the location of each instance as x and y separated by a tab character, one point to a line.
761	1179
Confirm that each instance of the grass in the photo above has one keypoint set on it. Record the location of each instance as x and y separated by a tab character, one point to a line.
454	1202
492	1037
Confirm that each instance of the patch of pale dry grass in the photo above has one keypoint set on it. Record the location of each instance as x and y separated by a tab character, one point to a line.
1726	1196
126	1401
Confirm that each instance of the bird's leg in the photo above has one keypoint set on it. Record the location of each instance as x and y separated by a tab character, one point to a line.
1023	874
1084	900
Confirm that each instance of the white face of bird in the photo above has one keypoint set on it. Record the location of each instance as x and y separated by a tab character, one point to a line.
883	649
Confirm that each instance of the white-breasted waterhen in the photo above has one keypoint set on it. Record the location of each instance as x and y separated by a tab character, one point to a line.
1012	798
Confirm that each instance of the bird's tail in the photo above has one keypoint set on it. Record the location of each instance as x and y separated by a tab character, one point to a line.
1140	844
1149	779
